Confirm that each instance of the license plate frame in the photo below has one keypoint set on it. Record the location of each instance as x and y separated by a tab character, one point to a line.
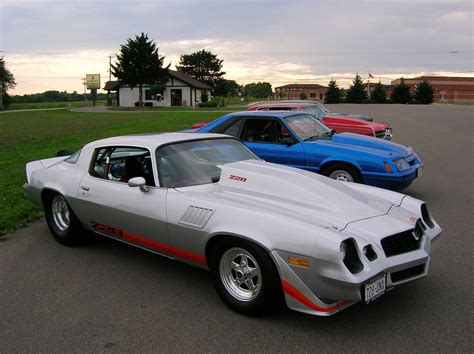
375	288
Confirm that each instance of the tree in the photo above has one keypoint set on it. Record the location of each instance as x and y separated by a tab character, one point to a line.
139	64
379	94
7	80
401	92
424	92
203	66
333	93
226	88
258	90
303	96
356	92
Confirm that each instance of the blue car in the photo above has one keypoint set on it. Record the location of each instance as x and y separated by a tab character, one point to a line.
299	140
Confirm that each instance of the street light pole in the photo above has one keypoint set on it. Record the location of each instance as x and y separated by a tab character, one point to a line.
109	98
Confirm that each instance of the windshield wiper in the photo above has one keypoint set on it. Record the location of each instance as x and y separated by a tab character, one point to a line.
215	179
311	137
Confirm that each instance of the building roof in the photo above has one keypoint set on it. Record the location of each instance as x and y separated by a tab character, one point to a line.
114	85
298	86
189	80
111	85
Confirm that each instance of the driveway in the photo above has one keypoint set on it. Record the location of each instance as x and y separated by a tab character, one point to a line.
110	296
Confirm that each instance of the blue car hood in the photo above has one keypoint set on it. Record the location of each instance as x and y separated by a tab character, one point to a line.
367	144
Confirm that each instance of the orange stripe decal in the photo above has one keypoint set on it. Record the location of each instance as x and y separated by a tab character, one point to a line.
151	244
299	296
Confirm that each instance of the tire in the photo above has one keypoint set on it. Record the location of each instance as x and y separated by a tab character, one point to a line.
343	172
62	222
233	260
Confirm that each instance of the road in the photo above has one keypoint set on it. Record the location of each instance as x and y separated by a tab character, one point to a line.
112	297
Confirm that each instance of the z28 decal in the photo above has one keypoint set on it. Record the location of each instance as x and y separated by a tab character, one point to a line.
237	178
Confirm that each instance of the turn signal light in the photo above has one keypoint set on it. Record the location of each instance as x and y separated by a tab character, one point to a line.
298	262
387	166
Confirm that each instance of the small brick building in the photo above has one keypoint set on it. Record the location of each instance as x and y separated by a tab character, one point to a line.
447	89
293	92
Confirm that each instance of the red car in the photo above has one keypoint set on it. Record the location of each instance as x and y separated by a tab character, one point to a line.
334	121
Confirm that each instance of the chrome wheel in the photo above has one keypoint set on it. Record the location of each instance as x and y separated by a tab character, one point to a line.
341	175
60	213
240	274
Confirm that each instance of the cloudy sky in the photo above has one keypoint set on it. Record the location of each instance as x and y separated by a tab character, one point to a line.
52	44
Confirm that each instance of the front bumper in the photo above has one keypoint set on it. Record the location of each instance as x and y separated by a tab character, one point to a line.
393	181
325	288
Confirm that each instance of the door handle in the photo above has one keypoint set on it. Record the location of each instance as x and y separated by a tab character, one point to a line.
85	188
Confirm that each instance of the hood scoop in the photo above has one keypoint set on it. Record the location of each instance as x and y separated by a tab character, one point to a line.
297	191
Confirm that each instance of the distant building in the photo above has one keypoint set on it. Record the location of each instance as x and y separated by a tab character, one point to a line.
388	88
181	90
293	92
447	89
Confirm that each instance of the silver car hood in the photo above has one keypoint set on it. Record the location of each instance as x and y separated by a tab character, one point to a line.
288	192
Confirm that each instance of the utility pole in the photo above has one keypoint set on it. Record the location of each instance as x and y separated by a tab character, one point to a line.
84	83
109	98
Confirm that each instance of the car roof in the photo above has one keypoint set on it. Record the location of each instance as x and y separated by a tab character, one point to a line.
153	140
294	104
277	114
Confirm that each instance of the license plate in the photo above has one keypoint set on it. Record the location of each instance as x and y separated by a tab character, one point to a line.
375	288
418	172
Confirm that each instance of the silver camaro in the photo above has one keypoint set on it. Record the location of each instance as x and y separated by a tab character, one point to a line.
268	233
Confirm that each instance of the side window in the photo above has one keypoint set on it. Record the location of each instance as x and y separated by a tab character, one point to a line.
231	127
264	131
120	163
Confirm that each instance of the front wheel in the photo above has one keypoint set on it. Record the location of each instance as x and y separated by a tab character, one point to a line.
342	172
62	221
245	277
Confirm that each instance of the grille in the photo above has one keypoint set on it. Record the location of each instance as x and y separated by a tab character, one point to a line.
407	273
403	242
380	134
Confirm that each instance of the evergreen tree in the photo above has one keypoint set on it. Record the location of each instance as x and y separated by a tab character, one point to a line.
357	92
424	92
203	66
333	93
379	94
139	64
303	96
401	92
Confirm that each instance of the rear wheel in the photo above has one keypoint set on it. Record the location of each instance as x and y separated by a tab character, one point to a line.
245	277
342	172
62	221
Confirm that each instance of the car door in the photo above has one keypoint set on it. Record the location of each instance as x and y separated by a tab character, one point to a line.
126	213
268	139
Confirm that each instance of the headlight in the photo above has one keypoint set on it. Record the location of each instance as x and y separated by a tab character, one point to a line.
401	164
351	258
343	250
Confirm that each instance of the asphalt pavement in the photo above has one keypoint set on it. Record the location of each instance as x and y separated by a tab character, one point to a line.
108	296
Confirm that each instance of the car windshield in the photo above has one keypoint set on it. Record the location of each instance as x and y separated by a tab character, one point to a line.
315	110
195	162
307	127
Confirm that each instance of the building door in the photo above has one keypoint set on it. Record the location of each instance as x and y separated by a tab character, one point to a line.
176	97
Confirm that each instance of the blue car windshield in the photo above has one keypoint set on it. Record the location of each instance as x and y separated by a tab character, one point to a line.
307	127
192	163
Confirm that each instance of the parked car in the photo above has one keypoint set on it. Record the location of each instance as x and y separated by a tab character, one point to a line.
300	140
266	232
341	124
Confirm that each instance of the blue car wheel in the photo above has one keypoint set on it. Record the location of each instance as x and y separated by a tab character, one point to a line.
343	172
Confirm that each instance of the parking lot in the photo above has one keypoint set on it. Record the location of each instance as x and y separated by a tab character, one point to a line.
110	296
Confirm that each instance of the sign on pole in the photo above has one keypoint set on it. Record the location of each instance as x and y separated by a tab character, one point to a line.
93	81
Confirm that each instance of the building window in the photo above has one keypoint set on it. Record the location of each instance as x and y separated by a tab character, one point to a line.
320	96
149	96
312	94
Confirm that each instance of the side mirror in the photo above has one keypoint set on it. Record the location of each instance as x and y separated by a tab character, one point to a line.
138	182
288	141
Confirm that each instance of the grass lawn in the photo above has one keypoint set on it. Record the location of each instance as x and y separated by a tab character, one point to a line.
28	136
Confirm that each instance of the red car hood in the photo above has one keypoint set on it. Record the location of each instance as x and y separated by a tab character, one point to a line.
376	126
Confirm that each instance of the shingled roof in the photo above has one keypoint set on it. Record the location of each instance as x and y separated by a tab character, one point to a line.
189	80
114	85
